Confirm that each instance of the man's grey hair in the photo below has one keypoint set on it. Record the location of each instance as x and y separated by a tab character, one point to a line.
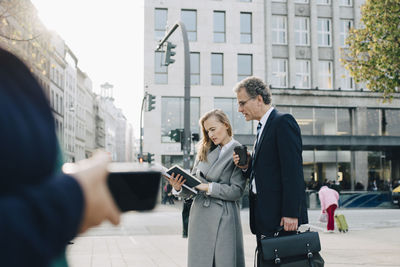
254	86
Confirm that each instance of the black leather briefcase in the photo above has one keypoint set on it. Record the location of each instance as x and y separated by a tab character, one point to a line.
297	250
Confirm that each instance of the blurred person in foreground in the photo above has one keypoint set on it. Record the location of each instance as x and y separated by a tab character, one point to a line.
41	208
215	229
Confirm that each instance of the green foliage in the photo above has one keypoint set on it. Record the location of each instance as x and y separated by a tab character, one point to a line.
373	54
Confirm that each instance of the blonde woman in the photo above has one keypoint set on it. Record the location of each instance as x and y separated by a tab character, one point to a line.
215	230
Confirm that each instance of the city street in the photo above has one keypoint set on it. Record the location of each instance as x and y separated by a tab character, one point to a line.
154	239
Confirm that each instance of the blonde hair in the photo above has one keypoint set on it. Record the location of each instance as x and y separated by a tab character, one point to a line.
205	144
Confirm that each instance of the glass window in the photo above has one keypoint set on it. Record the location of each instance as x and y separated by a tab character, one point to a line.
284	1
160	21
325	75
219	26
238	122
279	72
189	18
172	115
343	121
245	28
61	105
373	121
302	74
170	160
324	32
279	29
245	66
325	156
160	71
304	117
194	68
283	109
345	26
346	2
52	99
57	103
325	121
392	117
217	68
346	81
376	170
301	1
323	2
302	30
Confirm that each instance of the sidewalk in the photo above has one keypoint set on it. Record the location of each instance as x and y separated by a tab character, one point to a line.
154	239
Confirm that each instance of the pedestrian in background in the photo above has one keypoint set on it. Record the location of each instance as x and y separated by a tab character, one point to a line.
41	208
329	202
167	195
215	229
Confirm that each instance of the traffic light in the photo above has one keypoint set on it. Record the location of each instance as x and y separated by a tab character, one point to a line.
168	54
176	135
150	157
195	137
140	158
151	102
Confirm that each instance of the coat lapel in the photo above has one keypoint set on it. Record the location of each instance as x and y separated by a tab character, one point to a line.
265	130
215	162
212	157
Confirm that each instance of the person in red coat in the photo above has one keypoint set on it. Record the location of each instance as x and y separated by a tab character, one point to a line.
329	202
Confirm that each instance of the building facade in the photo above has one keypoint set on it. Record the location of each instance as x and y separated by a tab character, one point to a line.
225	47
79	114
349	134
56	94
70	106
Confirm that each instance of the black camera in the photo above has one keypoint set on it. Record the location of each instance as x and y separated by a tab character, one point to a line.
242	152
133	186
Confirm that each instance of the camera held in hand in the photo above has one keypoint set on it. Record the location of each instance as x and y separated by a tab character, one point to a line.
242	152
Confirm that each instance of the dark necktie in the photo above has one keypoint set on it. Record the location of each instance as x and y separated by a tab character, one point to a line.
253	156
258	134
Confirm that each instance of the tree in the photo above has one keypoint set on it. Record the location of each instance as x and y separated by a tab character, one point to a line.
23	34
373	54
22	12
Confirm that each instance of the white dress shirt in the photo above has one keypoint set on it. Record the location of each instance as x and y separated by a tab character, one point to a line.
263	121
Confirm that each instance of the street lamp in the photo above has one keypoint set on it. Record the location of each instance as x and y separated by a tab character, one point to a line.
186	115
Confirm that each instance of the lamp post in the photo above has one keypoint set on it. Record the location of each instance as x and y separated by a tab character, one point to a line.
141	125
186	124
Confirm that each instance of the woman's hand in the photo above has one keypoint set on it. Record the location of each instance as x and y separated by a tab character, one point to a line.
176	182
202	187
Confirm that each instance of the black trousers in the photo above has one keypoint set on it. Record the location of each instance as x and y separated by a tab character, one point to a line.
187	204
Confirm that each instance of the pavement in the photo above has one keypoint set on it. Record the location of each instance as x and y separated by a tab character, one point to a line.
154	239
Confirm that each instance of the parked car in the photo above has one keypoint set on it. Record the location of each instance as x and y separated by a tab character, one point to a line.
396	195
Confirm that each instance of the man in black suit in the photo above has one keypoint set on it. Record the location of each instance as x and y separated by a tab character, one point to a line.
275	168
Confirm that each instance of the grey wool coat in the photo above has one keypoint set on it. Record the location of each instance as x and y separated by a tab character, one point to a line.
215	230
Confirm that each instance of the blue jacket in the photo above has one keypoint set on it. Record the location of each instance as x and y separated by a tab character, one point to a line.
39	211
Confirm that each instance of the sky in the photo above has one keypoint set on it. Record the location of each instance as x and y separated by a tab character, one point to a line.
107	38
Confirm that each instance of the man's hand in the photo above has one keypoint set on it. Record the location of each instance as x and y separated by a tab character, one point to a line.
289	224
236	159
91	174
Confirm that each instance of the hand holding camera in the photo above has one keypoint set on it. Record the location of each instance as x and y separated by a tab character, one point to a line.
241	157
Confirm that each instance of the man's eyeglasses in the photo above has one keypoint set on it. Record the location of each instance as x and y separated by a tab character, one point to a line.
242	103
